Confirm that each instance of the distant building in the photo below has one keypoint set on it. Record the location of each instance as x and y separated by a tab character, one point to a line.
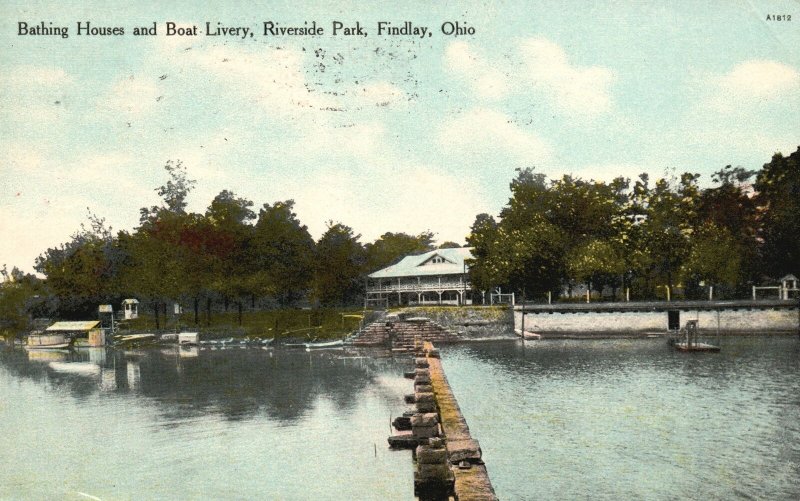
435	277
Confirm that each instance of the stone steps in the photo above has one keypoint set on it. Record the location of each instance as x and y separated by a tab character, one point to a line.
403	335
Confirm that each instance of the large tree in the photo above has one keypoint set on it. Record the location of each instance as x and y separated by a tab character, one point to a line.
778	188
391	247
339	265
283	254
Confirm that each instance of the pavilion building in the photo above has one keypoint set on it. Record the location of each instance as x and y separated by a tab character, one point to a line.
436	277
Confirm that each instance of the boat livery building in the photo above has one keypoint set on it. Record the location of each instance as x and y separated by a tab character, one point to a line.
436	277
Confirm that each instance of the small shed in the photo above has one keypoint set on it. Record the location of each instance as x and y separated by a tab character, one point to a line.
788	284
83	329
131	308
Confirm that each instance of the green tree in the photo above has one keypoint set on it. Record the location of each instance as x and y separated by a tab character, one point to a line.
283	254
778	188
228	218
21	297
715	259
340	260
392	247
83	272
597	263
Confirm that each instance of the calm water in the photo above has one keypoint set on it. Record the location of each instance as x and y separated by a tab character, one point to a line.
222	424
632	419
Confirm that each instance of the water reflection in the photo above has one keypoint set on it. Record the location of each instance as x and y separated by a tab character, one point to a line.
235	383
201	424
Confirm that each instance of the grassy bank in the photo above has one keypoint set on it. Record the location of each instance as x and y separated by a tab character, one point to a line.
282	324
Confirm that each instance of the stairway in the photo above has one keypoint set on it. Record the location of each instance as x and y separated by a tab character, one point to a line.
401	335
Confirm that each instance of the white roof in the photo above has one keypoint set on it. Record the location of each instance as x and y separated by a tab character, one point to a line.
452	263
79	326
130	301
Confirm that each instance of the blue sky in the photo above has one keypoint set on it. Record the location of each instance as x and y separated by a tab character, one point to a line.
379	133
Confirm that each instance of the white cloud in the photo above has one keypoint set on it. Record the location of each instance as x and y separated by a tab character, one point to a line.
486	132
575	90
760	79
750	85
486	81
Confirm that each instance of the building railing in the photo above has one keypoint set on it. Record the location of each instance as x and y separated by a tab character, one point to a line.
420	287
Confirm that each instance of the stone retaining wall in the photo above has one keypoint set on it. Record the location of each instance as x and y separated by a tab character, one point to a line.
734	317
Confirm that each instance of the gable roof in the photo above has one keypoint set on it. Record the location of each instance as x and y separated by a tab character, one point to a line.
413	266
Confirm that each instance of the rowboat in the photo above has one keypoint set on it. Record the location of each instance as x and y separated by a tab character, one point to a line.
135	339
324	345
48	342
528	335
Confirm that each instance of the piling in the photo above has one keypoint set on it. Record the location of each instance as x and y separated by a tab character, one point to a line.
448	462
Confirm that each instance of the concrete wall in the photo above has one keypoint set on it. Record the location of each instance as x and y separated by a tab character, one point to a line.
738	319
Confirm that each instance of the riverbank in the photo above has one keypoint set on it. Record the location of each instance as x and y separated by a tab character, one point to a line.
281	324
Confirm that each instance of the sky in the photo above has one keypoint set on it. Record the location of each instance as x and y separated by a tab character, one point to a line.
381	133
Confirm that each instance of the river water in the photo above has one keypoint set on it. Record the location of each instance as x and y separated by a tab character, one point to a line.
591	419
188	424
633	419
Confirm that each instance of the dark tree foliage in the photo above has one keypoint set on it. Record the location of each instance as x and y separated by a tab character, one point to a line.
282	254
778	195
339	264
392	247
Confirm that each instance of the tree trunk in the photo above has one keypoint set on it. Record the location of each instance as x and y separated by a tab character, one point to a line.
156	310
196	309
239	305
252	301
208	311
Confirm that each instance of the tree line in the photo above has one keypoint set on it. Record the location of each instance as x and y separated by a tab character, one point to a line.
553	234
229	257
643	235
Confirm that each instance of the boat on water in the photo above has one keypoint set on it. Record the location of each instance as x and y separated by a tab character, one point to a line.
135	339
528	335
45	341
324	345
696	347
189	338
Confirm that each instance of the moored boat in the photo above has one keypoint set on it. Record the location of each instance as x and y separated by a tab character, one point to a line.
324	345
528	335
44	341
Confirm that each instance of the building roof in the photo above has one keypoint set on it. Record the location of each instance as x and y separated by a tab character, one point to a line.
130	301
435	262
80	326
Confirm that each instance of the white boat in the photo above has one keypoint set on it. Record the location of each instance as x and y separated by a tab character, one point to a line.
528	335
48	342
323	345
189	338
132	339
